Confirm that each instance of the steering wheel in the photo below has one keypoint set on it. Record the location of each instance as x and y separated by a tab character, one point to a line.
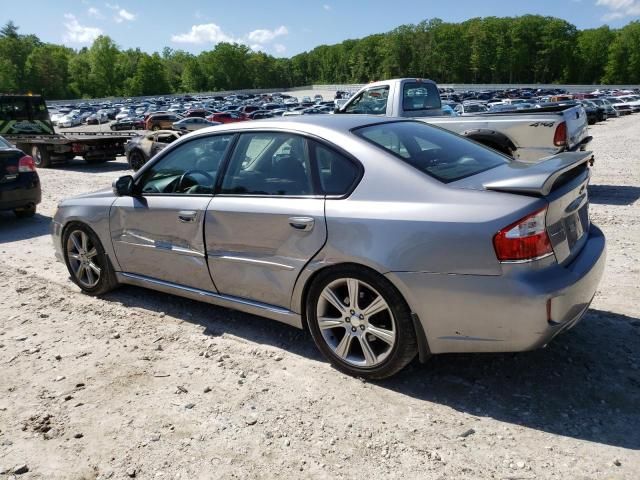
191	172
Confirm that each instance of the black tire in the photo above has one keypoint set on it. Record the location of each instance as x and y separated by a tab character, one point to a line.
107	279
405	347
136	160
25	212
41	156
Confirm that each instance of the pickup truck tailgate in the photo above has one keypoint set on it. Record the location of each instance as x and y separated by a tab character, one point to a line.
577	126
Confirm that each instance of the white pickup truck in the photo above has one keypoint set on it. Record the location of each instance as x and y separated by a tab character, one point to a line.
527	135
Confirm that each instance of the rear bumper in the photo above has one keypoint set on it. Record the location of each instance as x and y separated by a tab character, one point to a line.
23	191
522	309
581	145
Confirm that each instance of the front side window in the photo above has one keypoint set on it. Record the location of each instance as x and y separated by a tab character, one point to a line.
269	164
372	101
438	153
190	169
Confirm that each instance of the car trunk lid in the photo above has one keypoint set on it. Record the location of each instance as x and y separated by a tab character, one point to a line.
562	181
9	163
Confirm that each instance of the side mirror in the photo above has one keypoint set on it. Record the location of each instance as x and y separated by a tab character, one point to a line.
123	186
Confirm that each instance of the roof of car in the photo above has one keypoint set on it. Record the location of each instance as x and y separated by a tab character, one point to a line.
306	123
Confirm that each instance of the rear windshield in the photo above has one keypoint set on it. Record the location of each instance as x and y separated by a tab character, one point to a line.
420	96
438	153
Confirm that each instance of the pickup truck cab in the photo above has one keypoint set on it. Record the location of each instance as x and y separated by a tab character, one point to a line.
528	135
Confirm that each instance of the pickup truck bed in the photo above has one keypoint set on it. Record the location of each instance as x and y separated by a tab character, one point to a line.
527	135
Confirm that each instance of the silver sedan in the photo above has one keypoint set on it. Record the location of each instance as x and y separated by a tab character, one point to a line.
386	239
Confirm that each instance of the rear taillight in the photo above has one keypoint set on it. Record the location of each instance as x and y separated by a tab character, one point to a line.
524	240
560	137
26	164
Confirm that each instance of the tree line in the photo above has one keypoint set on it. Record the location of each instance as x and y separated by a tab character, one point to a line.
526	49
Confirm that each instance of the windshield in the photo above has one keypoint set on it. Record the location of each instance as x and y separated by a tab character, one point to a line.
438	153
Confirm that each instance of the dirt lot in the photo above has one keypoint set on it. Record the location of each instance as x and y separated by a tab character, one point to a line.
143	384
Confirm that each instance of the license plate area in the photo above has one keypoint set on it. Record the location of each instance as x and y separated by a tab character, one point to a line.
576	225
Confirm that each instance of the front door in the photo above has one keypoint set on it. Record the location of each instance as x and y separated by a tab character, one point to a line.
268	220
159	232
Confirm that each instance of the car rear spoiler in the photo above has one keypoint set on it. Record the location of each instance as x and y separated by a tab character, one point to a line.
539	178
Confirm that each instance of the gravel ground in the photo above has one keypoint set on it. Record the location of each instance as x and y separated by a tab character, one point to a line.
145	385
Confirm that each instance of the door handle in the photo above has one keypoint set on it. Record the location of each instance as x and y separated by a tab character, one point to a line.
187	216
302	223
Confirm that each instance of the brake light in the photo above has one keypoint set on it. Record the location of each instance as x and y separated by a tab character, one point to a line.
524	240
26	164
560	137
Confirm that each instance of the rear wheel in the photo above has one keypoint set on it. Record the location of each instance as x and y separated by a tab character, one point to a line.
87	262
41	156
25	212
360	322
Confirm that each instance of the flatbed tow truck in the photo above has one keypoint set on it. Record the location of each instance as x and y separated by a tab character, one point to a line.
25	122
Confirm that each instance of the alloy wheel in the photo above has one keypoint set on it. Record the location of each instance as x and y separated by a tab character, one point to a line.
82	255
356	322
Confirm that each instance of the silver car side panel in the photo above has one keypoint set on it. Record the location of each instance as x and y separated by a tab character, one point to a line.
92	209
151	237
244	305
254	251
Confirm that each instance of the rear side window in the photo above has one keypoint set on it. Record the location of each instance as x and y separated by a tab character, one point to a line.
337	173
269	164
438	153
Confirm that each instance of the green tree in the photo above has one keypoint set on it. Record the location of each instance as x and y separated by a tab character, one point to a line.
47	68
80	85
592	53
192	78
103	56
623	64
150	77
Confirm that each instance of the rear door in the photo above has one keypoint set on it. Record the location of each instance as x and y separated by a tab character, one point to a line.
268	220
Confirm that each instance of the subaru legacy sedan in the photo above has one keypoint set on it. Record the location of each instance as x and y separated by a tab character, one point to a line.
386	239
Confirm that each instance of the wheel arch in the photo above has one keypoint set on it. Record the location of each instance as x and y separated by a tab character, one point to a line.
310	274
492	139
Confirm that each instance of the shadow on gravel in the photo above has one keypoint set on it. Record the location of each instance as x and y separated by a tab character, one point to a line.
613	194
13	229
79	165
585	384
218	321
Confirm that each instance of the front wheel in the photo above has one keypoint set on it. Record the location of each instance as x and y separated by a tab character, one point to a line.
360	322
86	260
